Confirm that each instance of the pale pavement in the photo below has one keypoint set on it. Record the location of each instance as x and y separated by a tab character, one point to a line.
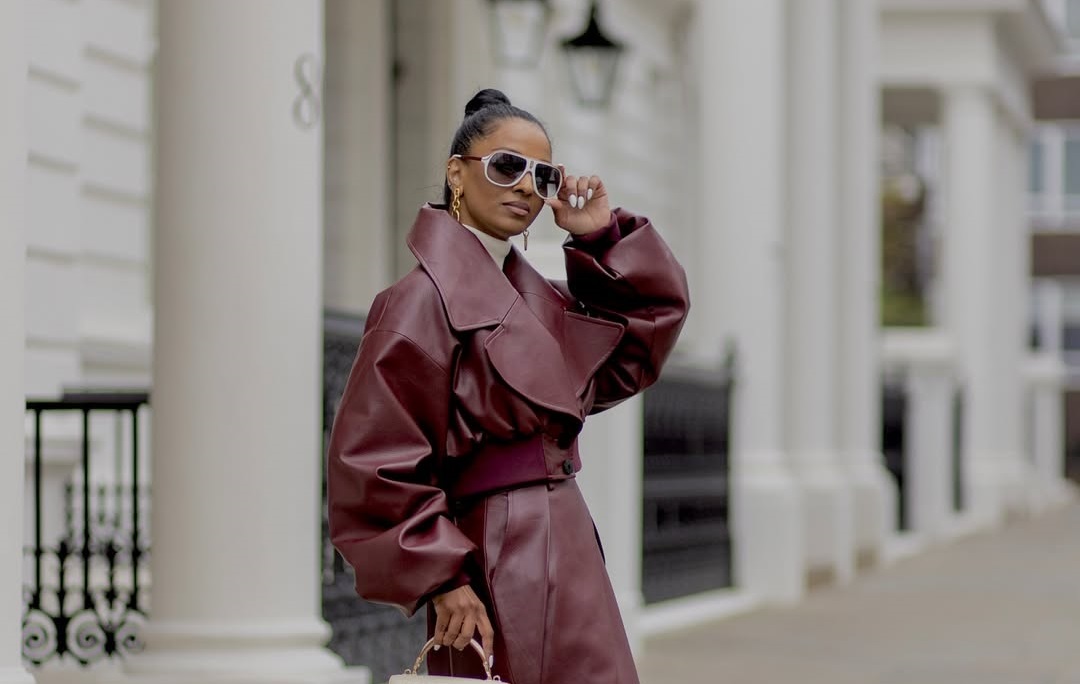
998	608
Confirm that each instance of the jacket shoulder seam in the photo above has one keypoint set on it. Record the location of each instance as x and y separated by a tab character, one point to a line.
413	343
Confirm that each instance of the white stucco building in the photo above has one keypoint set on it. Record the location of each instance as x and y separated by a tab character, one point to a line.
186	185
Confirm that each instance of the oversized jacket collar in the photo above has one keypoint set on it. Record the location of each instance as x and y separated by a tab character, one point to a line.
541	347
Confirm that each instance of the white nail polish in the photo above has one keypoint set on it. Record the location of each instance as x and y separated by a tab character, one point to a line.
589	195
580	201
573	201
491	661
437	647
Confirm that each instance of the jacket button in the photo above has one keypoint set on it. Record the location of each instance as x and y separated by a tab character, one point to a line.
568	466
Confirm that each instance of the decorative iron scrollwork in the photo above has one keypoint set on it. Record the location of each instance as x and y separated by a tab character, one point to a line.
87	619
84	601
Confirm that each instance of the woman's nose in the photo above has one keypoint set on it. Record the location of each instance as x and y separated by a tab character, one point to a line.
526	184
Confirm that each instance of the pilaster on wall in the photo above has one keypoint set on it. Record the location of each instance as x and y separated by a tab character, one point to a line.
441	58
357	91
90	140
13	186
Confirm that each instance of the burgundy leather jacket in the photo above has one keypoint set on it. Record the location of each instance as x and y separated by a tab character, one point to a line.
457	356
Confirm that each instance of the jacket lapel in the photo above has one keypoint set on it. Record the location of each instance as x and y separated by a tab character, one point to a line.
584	342
544	351
474	291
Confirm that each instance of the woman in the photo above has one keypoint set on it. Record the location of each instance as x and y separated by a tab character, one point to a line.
453	452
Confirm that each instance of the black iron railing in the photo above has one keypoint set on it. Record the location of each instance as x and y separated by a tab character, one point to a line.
85	595
686	544
894	413
958	501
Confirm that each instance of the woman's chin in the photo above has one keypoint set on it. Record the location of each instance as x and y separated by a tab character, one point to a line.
511	229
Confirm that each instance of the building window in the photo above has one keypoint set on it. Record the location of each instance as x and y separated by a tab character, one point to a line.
1070	338
1036	174
1072	18
1072	173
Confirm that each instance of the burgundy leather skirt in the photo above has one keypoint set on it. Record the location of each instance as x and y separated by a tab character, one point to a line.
554	612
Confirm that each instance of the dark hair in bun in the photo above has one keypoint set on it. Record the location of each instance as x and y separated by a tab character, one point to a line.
484	110
488	97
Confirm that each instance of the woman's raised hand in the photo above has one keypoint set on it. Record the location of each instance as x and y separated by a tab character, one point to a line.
581	206
459	615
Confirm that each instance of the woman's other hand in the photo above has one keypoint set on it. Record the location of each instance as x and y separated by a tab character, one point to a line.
581	206
459	615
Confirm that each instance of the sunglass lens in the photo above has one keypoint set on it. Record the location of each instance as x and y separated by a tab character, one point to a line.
548	179
505	168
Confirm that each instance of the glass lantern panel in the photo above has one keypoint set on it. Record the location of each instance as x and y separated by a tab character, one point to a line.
518	30
592	71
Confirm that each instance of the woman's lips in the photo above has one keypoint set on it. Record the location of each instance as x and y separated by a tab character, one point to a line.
518	208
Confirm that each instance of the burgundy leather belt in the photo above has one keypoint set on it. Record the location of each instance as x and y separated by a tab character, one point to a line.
500	466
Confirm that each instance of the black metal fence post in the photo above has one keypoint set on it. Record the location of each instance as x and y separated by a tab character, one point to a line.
79	608
686	543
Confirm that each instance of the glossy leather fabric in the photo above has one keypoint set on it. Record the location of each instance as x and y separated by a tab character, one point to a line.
556	617
460	356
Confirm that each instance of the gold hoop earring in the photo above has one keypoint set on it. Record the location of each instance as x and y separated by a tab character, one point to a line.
455	206
526	235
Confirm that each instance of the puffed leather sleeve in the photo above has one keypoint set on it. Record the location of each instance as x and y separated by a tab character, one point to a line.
388	517
625	272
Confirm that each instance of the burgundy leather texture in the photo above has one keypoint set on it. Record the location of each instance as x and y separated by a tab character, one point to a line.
462	362
499	466
555	615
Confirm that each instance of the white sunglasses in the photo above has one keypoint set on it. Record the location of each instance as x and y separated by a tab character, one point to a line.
505	169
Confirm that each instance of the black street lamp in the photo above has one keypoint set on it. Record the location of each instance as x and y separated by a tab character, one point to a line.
518	30
593	58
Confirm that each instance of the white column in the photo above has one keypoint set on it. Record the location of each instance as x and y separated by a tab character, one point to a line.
13	70
612	450
977	312
237	281
926	358
1046	375
858	407
811	288
358	252
1012	320
742	143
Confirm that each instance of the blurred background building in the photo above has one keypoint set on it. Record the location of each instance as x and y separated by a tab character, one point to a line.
877	203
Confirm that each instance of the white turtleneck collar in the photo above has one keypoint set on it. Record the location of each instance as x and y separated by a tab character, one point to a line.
498	249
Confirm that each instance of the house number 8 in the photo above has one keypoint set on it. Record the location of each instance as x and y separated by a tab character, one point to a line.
306	107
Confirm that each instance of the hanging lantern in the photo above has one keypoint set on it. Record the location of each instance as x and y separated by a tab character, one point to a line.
518	31
593	59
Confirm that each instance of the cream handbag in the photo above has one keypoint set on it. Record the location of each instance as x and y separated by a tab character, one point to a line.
411	676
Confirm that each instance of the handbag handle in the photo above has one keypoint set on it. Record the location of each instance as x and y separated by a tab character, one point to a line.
472	642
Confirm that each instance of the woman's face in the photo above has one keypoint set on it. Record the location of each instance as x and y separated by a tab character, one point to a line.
498	211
